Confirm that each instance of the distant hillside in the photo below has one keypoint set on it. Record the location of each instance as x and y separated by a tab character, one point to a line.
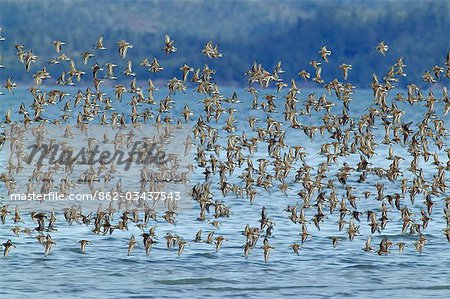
247	31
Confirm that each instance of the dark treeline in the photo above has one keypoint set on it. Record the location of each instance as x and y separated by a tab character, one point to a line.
247	31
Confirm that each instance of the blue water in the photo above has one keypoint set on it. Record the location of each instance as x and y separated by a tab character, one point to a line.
320	271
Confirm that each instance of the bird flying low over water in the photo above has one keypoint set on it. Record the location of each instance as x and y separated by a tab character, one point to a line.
169	45
131	244
212	51
123	47
99	43
382	48
1	37
7	247
48	244
83	244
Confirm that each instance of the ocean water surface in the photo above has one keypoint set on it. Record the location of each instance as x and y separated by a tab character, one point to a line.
319	271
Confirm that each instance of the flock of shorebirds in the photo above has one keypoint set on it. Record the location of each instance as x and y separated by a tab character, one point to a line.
222	154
